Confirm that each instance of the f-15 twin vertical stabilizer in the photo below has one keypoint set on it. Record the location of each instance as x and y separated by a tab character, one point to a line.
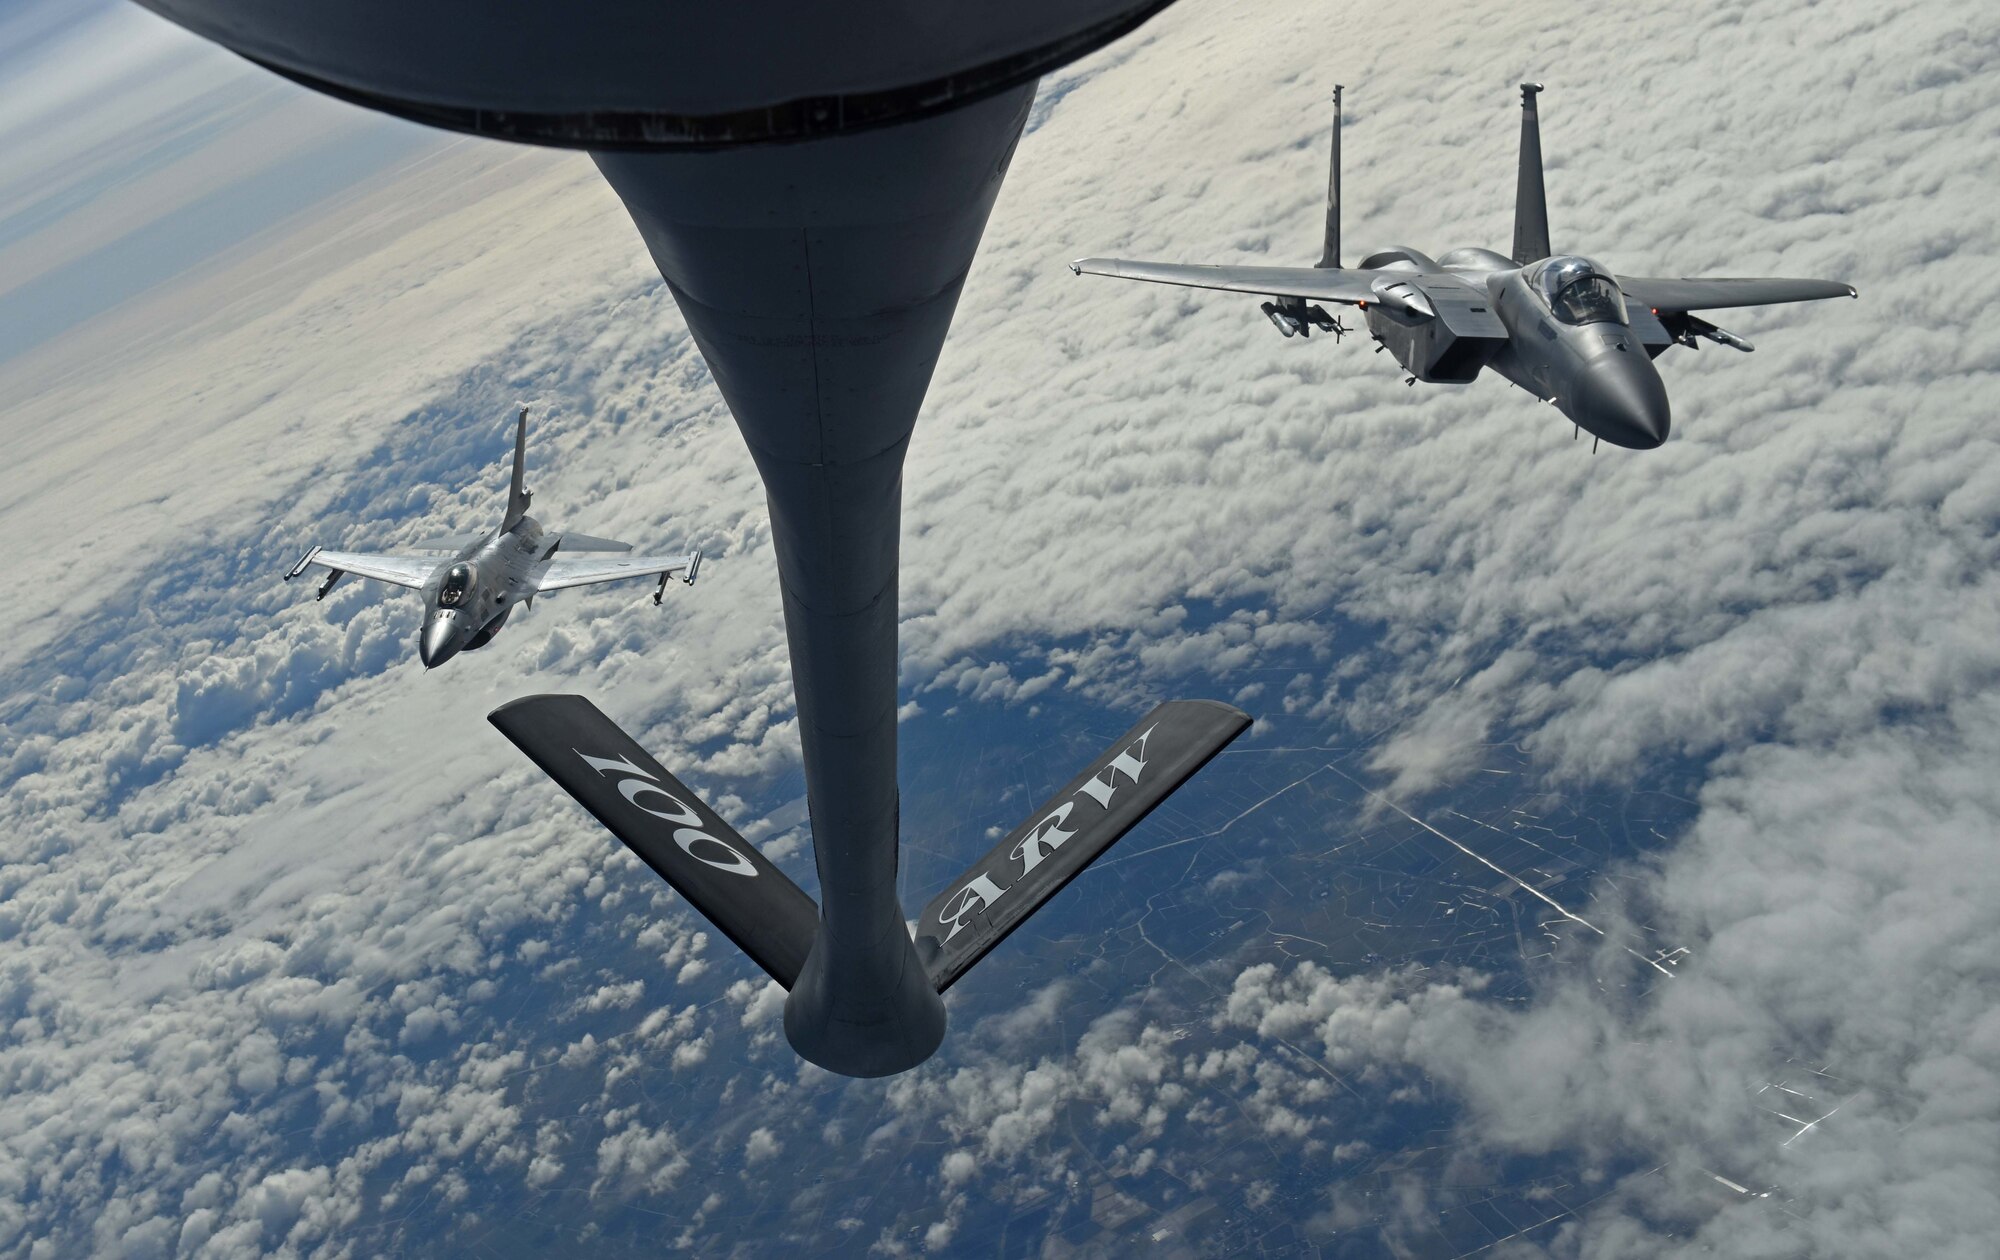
1531	198
672	830
1330	247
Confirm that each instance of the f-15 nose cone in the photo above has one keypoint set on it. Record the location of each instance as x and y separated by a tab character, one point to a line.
1623	401
438	642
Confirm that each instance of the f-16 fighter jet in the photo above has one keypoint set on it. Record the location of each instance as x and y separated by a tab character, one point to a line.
1561	326
469	593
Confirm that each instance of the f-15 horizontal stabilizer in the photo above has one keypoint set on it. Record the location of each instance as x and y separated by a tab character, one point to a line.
672	830
1039	857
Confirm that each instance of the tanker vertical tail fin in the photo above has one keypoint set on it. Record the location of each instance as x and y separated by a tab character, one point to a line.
1531	201
672	830
518	495
1330	249
1037	859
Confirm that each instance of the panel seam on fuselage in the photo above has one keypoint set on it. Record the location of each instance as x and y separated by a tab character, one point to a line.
812	344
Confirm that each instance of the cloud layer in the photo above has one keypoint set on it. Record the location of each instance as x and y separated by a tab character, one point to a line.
295	959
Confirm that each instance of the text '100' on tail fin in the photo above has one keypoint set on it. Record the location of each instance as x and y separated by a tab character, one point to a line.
672	830
1071	829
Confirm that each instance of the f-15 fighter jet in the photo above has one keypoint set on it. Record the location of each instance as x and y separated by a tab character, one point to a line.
1560	326
469	593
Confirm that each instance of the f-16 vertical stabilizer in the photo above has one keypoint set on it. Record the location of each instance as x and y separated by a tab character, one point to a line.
1036	859
672	830
518	495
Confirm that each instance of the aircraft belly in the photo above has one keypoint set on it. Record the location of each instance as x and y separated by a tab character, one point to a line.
640	74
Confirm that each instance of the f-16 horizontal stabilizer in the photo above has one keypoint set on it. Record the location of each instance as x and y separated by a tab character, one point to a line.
672	830
1069	831
573	541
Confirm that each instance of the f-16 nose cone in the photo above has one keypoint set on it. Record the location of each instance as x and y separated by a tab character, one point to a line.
438	643
1623	401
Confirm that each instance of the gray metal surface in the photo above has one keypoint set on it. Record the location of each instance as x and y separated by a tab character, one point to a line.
1678	296
1531	198
605	74
819	280
1329	254
1447	320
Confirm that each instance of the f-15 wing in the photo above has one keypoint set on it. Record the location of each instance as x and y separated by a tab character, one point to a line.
564	572
1316	284
409	571
1667	296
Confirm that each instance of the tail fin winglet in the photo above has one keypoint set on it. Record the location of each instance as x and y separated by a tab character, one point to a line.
672	830
518	495
1038	858
1531	200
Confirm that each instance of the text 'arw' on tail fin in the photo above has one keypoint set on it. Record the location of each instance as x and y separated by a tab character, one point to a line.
1036	859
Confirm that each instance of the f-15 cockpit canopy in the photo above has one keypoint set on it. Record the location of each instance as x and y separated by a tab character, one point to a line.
1578	290
457	585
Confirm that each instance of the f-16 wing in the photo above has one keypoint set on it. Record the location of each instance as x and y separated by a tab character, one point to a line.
1316	284
564	572
409	571
1667	296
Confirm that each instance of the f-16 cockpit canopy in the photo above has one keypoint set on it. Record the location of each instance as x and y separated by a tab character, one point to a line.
1578	290
457	585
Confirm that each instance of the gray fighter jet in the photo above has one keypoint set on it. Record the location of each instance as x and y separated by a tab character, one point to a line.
470	592
1560	326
